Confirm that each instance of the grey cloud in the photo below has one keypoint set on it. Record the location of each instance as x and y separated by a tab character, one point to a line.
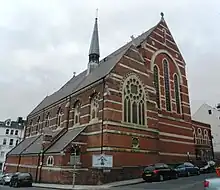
43	42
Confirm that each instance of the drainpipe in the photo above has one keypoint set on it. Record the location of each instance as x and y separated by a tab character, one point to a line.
19	161
38	163
103	99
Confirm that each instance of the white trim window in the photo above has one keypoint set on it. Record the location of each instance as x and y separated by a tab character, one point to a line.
134	105
47	120
76	113
94	108
50	161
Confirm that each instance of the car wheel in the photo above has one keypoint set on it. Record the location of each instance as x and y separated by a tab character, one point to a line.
161	178
16	184
188	174
176	176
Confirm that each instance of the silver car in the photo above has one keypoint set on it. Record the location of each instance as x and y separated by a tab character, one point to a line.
212	184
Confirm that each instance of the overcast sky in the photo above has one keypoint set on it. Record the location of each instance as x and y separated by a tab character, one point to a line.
42	42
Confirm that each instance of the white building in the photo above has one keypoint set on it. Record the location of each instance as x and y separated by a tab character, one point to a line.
11	133
210	115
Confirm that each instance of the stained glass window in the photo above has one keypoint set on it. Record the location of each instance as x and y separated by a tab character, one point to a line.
167	85
134	101
177	93
157	85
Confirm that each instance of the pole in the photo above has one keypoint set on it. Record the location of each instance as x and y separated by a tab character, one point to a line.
74	168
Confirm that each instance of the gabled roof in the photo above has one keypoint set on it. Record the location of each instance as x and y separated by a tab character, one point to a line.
82	80
65	140
22	146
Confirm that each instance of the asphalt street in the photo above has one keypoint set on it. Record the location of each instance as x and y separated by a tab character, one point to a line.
185	183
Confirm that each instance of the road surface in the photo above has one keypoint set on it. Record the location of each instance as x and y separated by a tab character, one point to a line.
185	183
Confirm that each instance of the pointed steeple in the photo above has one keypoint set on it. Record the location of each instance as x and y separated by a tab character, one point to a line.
94	53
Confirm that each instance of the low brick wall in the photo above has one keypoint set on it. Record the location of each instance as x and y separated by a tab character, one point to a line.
91	176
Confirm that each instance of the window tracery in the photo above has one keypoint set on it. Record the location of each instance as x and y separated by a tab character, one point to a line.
167	84
177	93
157	85
134	101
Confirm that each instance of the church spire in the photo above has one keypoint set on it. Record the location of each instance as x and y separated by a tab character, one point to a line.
94	48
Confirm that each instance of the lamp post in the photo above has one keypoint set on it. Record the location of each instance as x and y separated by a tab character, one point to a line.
188	156
74	167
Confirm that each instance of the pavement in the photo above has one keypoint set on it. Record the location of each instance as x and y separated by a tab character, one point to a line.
185	183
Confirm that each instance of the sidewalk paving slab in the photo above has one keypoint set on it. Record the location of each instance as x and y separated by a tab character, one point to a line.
89	187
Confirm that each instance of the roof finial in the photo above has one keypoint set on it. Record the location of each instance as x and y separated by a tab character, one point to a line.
162	15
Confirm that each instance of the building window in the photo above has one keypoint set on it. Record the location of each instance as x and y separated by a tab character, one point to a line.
7	131
38	124
133	101
2	154
206	137
210	112
135	142
167	84
17	141
31	126
47	122
177	93
11	142
16	132
94	107
157	85
50	161
76	113
59	117
199	136
12	132
4	141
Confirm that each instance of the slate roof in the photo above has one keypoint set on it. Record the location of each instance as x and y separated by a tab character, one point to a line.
22	146
82	80
35	147
65	140
14	125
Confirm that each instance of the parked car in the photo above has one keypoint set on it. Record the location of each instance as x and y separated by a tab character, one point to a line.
1	178
21	179
159	172
6	178
208	168
187	169
212	184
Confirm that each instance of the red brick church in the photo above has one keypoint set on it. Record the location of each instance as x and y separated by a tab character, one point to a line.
132	107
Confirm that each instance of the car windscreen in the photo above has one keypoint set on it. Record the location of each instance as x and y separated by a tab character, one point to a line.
149	168
24	176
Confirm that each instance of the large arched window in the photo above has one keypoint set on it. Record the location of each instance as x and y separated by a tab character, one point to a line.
167	84
94	107
157	84
134	101
177	93
76	113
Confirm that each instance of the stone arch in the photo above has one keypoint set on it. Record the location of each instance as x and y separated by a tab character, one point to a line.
133	100
161	51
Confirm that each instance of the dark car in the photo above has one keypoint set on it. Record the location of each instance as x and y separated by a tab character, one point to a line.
6	178
159	172
21	179
187	169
